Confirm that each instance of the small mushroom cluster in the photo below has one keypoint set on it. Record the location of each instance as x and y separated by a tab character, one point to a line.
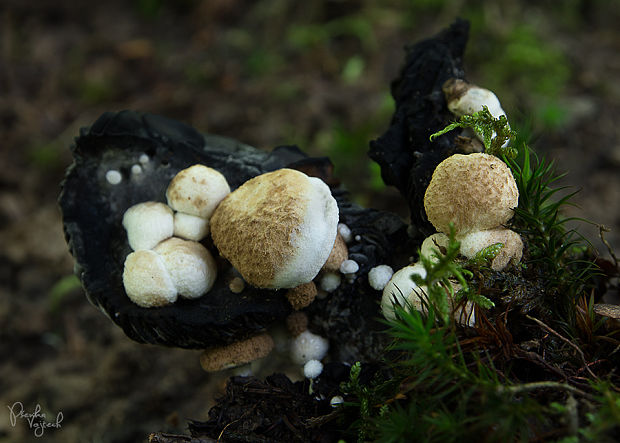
279	230
476	194
168	261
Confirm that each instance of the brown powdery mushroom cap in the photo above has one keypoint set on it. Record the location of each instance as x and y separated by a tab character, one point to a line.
302	296
197	190
277	229
339	254
236	354
475	192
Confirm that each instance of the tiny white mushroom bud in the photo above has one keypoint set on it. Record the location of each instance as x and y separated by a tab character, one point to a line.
308	346
136	169
345	232
330	281
197	190
336	401
312	369
144	159
433	245
190	227
113	177
146	280
349	267
191	266
358	238
147	224
379	276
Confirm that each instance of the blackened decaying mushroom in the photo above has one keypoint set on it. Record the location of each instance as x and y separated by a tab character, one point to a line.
406	155
93	208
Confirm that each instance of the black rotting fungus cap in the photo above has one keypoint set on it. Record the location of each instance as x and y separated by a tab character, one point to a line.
93	208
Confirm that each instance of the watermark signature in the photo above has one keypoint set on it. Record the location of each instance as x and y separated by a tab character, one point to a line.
36	420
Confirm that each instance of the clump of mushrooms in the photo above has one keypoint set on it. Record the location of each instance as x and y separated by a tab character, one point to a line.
477	194
163	267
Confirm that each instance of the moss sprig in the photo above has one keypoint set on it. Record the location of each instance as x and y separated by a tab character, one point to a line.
495	132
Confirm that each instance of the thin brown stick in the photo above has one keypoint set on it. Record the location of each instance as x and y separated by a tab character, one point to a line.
567	341
601	230
526	387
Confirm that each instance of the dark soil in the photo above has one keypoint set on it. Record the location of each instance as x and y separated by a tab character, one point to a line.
262	72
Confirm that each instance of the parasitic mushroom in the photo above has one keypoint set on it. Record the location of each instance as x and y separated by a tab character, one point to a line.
465	99
302	296
403	291
197	190
475	192
147	281
277	229
147	224
379	276
236	354
308	346
190	265
512	248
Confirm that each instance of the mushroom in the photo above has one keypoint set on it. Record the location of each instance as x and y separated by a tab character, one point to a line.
475	192
277	229
308	346
465	99
296	323
197	190
512	249
330	281
194	193
402	290
236	354
434	244
379	276
338	255
312	369
190	265
190	227
147	224
302	295
147	281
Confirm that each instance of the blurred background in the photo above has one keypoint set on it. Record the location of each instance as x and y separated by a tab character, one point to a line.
266	72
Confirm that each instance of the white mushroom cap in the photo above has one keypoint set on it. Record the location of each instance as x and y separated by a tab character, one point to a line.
476	241
190	227
197	190
433	244
277	229
190	265
379	276
147	224
330	281
475	192
308	346
349	267
312	369
146	280
465	99
402	290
